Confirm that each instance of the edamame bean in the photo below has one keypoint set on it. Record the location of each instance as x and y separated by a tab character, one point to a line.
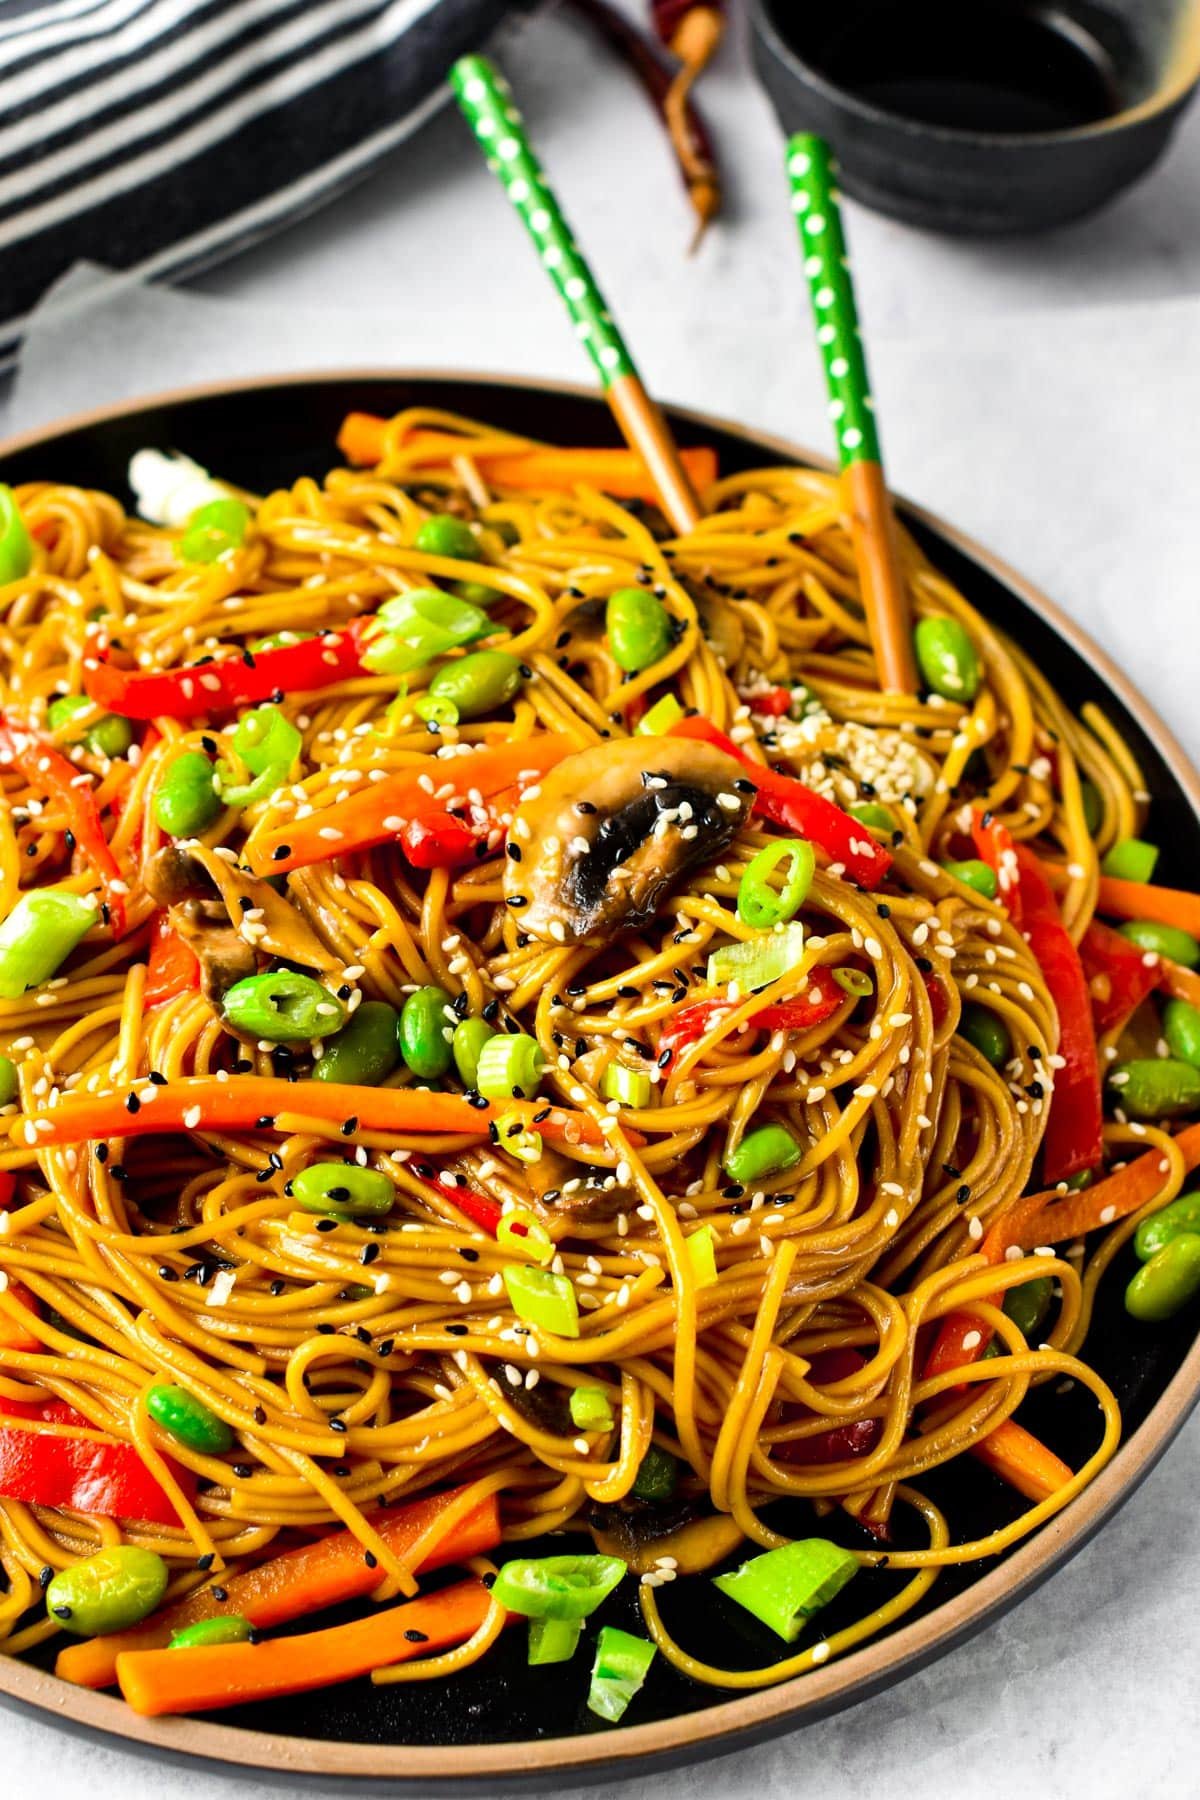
444	535
187	802
1181	1028
478	683
1154	1233
638	627
1156	1087
343	1189
875	818
947	660
110	736
762	1152
366	1050
426	1028
1167	1282
475	593
109	1591
988	1033
974	874
1163	940
9	1087
1028	1305
283	1007
229	1628
470	1035
188	1420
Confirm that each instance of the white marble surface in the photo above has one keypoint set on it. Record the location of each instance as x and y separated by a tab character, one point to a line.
1041	394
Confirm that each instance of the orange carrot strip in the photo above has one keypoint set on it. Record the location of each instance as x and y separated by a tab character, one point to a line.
1141	900
324	1573
1180	983
187	1681
621	473
196	1102
1022	1460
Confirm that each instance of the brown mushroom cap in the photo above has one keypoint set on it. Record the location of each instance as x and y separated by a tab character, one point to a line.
606	835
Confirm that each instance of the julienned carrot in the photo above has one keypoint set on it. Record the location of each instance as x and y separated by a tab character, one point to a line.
187	1681
1023	1461
383	809
197	1103
1141	900
1180	983
621	473
324	1573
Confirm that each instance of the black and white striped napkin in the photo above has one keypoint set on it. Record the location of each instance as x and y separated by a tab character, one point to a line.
162	135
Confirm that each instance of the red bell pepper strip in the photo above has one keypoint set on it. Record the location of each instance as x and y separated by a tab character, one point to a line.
786	1015
41	1468
481	1209
439	840
854	1437
1074	1130
8	1189
234	681
1117	974
48	770
173	966
787	802
776	703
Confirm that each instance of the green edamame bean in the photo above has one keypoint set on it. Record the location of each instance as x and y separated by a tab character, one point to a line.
8	1081
1163	940
475	593
478	683
1156	1087
444	535
1093	805
638	627
470	1035
988	1033
974	874
1154	1233
366	1050
947	659
1028	1305
188	1420
283	1007
230	1628
1181	1028
1167	1282
110	1591
343	1189
110	736
426	1028
658	1473
873	816
186	802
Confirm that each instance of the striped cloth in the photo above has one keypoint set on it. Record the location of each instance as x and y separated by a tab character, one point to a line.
161	135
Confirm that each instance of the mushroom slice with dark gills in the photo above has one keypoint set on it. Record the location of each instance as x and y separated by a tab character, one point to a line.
610	832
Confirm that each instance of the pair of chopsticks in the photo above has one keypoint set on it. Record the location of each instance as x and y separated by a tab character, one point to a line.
486	100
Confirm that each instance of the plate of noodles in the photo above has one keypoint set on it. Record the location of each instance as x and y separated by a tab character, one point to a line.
579	1185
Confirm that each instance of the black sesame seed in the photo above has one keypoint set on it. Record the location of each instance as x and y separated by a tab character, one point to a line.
370	1558
260	1415
416	1637
45	1576
963	1194
132	1103
158	1079
348	1127
243	1471
281	852
205	1562
338	1425
61	1612
467	1254
456	1331
220	1593
368	1253
327	1224
513	852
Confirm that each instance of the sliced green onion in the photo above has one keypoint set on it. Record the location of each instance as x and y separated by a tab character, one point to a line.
509	1067
553	1640
213	529
516	1138
758	904
519	1231
660	717
763	1152
590	1408
543	1299
854	981
16	545
976	874
435	709
785	1587
1131	859
631	1087
757	963
418	626
265	738
557	1587
621	1665
701	1253
657	1476
39	934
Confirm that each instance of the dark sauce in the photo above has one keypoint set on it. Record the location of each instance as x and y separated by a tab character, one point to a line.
1004	66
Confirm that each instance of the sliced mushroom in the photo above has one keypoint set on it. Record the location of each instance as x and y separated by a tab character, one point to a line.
640	1533
611	831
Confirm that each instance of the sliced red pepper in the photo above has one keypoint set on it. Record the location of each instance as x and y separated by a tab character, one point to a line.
8	1189
48	770
439	840
786	1015
939	1005
998	849
173	966
1117	975
81	1474
775	703
14	1336
854	1437
234	681
787	802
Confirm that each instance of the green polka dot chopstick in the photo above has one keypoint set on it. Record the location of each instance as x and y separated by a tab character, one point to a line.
486	100
851	408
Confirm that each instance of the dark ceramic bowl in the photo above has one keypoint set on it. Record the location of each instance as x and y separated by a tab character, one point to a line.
973	127
493	1726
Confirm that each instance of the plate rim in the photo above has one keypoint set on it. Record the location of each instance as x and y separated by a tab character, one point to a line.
766	1712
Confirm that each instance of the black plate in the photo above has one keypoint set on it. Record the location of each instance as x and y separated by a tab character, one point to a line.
271	434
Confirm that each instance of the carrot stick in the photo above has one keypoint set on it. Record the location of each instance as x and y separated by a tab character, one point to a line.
620	473
1022	1460
187	1681
1180	983
324	1573
196	1103
1141	900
